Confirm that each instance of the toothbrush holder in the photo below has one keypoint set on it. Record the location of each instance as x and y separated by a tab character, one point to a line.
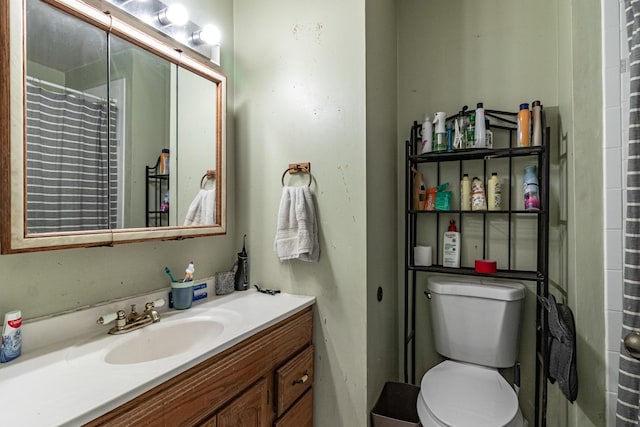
182	293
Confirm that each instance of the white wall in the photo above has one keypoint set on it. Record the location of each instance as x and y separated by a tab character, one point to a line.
615	69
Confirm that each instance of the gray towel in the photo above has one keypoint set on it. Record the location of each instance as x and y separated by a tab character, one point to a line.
562	348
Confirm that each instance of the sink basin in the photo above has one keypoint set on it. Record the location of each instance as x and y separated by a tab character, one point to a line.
160	341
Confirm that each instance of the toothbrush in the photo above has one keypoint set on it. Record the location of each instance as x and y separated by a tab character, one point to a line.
166	270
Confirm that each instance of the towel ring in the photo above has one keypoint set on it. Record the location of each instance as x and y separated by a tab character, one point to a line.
296	170
211	174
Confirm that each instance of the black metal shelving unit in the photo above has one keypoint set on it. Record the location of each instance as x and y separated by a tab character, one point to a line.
541	155
157	185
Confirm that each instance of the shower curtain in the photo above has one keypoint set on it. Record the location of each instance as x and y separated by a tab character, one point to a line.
71	162
627	412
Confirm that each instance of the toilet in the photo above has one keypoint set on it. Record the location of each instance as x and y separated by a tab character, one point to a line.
476	325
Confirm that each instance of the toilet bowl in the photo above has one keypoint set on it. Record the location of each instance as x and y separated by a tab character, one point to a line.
457	394
476	326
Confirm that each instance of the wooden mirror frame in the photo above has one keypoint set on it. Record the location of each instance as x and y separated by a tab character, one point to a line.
13	231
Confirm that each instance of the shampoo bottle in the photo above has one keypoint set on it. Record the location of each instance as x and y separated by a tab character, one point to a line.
451	247
11	336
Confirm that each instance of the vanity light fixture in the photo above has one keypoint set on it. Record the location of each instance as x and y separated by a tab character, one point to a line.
208	34
172	19
174	14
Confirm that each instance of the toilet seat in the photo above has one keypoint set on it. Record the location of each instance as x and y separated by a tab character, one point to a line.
464	395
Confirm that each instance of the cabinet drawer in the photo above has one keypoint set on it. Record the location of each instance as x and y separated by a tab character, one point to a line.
300	415
293	379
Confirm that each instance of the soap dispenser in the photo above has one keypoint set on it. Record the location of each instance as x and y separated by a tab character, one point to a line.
242	274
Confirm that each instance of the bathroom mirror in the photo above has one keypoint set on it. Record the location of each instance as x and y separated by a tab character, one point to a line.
110	132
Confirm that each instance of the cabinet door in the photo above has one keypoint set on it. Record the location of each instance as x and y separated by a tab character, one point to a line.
300	415
250	409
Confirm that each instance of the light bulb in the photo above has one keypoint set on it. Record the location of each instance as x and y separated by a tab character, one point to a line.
209	34
175	14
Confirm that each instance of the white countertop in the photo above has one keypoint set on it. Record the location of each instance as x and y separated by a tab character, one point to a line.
70	383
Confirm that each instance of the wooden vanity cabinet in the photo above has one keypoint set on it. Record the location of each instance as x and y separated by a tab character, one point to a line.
265	380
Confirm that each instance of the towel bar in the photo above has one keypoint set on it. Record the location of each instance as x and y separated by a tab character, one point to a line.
211	174
298	168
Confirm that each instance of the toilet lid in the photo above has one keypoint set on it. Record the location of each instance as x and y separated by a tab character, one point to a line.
459	394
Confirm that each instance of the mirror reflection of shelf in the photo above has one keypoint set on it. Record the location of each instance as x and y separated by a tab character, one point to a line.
156	196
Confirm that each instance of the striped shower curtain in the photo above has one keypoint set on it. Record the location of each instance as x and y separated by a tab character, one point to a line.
71	162
627	411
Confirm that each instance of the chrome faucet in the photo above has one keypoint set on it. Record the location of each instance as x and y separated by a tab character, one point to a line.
134	320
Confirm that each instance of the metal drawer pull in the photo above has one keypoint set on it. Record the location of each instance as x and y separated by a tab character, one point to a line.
302	379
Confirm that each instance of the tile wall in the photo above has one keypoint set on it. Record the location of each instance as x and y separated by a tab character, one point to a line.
616	113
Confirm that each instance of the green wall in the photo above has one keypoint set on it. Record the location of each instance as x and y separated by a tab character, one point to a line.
502	53
56	281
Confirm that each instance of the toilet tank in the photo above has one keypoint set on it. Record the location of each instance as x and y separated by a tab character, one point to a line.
476	320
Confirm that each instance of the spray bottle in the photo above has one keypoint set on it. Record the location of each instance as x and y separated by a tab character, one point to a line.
440	143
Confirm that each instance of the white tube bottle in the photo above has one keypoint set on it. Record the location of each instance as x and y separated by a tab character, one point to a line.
427	135
465	193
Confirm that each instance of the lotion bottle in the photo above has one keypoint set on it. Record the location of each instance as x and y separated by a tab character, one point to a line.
451	246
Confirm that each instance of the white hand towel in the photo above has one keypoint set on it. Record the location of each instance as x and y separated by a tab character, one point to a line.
202	210
297	228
